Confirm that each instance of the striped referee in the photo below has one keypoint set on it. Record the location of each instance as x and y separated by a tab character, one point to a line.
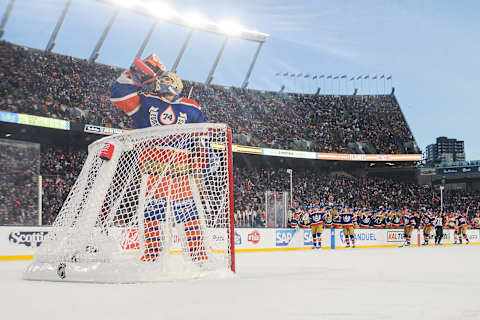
438	223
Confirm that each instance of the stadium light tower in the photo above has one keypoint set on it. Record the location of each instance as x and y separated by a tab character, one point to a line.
290	172
51	42
219	55
147	39
192	21
96	51
5	17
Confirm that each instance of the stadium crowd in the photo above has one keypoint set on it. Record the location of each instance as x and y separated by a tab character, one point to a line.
19	170
46	84
59	169
52	85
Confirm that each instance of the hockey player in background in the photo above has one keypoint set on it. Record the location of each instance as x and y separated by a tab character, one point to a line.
347	218
365	219
409	223
396	222
150	95
304	221
428	219
461	223
317	222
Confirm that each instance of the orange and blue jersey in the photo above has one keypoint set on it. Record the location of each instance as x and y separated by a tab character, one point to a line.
460	220
149	110
428	219
409	220
365	221
304	222
316	217
379	222
295	218
347	219
396	221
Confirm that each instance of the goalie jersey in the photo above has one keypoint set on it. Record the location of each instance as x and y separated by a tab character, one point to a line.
148	110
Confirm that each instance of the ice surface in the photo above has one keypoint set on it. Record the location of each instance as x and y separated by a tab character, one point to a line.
389	283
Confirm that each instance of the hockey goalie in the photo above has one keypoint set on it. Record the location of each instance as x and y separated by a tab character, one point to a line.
148	197
151	96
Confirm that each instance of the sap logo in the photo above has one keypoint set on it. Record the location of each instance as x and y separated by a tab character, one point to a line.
395	236
254	237
307	237
283	237
27	238
218	238
238	238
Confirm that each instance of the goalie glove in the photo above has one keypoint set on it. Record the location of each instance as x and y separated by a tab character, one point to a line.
144	72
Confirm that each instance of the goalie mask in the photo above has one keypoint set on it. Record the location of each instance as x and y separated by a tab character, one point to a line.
169	83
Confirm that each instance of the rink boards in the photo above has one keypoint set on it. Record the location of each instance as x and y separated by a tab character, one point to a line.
20	243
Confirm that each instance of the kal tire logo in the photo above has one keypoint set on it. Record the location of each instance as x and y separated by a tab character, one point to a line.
283	237
27	238
238	238
254	237
395	236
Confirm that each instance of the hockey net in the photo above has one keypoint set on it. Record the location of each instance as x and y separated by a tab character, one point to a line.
153	204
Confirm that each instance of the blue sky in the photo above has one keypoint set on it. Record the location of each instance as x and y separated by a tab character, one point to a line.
431	49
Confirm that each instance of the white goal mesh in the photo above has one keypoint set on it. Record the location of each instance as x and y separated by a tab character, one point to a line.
149	205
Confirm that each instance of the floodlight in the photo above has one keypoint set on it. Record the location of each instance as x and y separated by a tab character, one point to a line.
159	9
195	20
125	3
231	28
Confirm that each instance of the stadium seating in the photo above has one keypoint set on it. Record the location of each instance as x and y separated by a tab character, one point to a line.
52	85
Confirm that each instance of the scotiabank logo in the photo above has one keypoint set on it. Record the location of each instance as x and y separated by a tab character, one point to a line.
27	238
254	236
130	241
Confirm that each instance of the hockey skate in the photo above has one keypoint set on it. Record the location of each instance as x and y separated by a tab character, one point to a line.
348	245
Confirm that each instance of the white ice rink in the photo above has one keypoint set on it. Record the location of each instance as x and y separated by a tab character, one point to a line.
388	283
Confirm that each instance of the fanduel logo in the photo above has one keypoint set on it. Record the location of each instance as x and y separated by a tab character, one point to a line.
27	238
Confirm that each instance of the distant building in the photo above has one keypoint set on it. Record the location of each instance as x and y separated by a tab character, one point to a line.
445	150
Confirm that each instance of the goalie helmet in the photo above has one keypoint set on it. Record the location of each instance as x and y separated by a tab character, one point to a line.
170	83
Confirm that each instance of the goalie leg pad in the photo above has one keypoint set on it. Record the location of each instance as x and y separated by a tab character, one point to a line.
194	239
156	209
154	239
185	210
